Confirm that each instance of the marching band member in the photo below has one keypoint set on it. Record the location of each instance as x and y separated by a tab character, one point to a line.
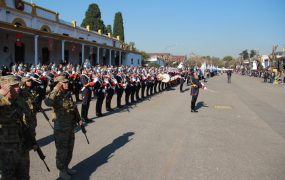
138	87
155	82
110	90
74	80
148	84
195	85
127	90
86	93
151	84
100	89
159	83
119	88
143	85
182	80
133	87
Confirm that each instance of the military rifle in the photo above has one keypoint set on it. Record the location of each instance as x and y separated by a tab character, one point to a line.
45	115
78	117
30	140
29	137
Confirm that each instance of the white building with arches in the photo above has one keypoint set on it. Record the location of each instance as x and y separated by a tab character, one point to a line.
32	34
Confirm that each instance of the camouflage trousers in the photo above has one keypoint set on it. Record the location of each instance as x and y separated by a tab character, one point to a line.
33	124
64	143
14	165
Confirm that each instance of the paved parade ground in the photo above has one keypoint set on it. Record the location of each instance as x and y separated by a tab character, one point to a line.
238	133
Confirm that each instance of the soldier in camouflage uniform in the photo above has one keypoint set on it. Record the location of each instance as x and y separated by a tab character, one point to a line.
30	97
14	155
64	125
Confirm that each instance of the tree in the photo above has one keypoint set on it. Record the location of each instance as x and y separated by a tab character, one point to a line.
118	27
252	53
153	65
272	56
231	64
109	29
145	57
228	58
244	54
93	19
132	46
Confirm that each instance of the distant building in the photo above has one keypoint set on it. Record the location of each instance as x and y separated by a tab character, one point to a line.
163	58
156	60
265	61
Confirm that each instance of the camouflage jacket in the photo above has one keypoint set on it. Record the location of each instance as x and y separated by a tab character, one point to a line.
63	110
11	116
30	98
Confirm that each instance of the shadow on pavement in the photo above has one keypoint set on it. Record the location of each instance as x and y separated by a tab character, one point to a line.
200	105
46	140
187	89
86	167
50	138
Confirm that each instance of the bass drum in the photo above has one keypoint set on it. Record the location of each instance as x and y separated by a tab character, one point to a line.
166	78
159	77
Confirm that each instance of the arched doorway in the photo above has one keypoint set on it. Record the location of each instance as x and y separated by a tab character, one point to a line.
66	57
45	54
19	52
104	61
117	59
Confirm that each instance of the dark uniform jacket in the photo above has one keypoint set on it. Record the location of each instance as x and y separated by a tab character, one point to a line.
195	85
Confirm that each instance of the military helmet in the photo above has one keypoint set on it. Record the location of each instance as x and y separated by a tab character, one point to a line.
10	79
60	79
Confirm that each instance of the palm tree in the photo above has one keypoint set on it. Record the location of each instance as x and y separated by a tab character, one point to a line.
272	56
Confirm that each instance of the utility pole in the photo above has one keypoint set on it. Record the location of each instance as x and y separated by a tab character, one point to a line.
272	57
282	67
276	63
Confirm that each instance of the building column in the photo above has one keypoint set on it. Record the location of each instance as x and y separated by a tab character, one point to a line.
82	50
36	49
90	54
98	55
110	56
120	58
62	50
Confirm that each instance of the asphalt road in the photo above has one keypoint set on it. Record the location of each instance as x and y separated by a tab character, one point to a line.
239	133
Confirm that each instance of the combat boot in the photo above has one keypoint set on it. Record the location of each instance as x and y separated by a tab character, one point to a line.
71	171
64	175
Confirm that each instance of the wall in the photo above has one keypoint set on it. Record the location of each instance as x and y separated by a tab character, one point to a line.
127	59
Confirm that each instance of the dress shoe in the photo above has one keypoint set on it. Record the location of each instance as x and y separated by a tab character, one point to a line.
64	175
71	171
193	110
86	120
100	115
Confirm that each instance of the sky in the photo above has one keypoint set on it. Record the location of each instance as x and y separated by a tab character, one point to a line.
204	27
